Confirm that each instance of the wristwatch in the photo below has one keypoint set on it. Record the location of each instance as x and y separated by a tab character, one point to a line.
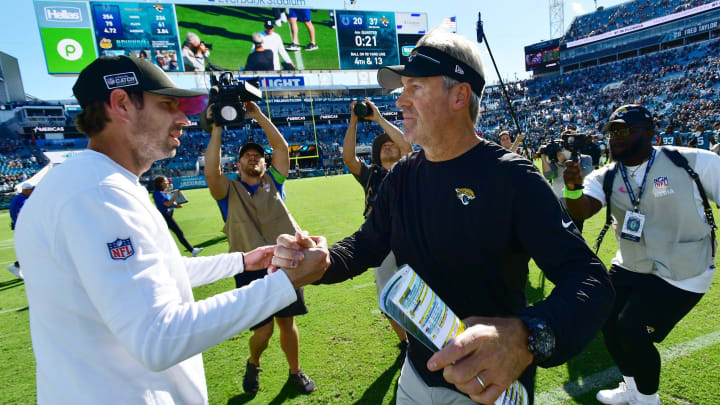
541	341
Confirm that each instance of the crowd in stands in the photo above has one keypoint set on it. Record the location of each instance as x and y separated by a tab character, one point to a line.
681	86
17	162
624	15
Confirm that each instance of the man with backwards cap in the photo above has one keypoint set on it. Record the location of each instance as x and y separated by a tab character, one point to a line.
665	260
456	212
112	313
387	149
255	214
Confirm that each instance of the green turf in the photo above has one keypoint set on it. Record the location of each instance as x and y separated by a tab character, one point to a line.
230	29
346	345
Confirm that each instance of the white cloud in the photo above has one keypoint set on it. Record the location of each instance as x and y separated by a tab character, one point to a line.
577	8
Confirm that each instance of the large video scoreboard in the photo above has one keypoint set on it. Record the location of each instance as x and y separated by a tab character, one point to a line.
543	56
76	32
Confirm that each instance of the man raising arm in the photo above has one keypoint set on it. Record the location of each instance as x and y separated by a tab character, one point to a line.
246	205
387	149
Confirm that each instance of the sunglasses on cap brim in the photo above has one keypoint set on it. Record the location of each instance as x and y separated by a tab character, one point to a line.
192	105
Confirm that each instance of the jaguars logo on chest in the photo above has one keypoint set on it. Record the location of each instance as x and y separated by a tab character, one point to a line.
465	195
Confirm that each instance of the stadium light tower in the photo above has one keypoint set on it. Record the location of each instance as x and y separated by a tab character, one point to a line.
557	18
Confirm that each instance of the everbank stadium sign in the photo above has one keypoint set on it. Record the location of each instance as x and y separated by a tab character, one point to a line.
313	4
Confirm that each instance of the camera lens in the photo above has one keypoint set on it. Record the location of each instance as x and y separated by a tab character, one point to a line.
229	113
362	109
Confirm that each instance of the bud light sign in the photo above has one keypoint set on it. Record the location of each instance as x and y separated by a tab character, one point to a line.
282	82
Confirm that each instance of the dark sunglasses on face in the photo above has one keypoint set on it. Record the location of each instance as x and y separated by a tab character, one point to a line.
623	132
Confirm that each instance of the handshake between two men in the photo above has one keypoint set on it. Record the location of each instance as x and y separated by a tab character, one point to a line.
303	258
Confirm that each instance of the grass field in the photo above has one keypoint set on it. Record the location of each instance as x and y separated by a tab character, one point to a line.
346	344
230	29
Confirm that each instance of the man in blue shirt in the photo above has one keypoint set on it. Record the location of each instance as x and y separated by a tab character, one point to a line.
15	206
166	205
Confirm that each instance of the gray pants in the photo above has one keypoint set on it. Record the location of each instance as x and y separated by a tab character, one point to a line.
385	272
412	390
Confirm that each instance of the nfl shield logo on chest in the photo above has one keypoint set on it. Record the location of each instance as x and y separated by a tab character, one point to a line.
121	249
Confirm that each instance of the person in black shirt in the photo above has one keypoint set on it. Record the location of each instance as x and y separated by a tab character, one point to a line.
261	59
457	213
387	149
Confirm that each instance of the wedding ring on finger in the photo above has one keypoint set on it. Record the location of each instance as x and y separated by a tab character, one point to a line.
482	383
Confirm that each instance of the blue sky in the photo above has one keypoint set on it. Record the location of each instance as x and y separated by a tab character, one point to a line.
509	26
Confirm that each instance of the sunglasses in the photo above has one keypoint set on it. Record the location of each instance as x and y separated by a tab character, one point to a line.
193	105
623	132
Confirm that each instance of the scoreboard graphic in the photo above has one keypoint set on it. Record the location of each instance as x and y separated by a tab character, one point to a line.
143	30
367	39
74	33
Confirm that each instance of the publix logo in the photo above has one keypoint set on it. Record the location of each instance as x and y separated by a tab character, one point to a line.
69	49
407	49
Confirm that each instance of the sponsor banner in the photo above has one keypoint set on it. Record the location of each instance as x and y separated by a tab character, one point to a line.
646	24
697	29
62	14
411	23
278	82
44	129
184	183
67	50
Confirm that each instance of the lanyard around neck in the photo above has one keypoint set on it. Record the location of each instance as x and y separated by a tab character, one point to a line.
631	193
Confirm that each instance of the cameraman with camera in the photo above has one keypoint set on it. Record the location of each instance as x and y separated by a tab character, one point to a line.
387	149
554	156
194	53
247	204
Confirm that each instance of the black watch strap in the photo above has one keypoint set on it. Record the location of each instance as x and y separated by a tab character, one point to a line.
541	340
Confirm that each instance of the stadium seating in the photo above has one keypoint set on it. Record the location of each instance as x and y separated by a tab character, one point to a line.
681	86
623	15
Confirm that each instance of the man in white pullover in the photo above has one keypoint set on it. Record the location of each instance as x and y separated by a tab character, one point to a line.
274	42
112	313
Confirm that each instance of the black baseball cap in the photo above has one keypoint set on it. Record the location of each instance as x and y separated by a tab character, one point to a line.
252	145
269	24
377	145
633	115
425	61
107	73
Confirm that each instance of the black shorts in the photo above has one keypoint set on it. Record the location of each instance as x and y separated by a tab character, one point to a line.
296	308
653	304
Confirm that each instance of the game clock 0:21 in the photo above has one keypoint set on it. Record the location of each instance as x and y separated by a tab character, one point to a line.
367	39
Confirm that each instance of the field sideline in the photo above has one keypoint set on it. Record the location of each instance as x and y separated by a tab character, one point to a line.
347	346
